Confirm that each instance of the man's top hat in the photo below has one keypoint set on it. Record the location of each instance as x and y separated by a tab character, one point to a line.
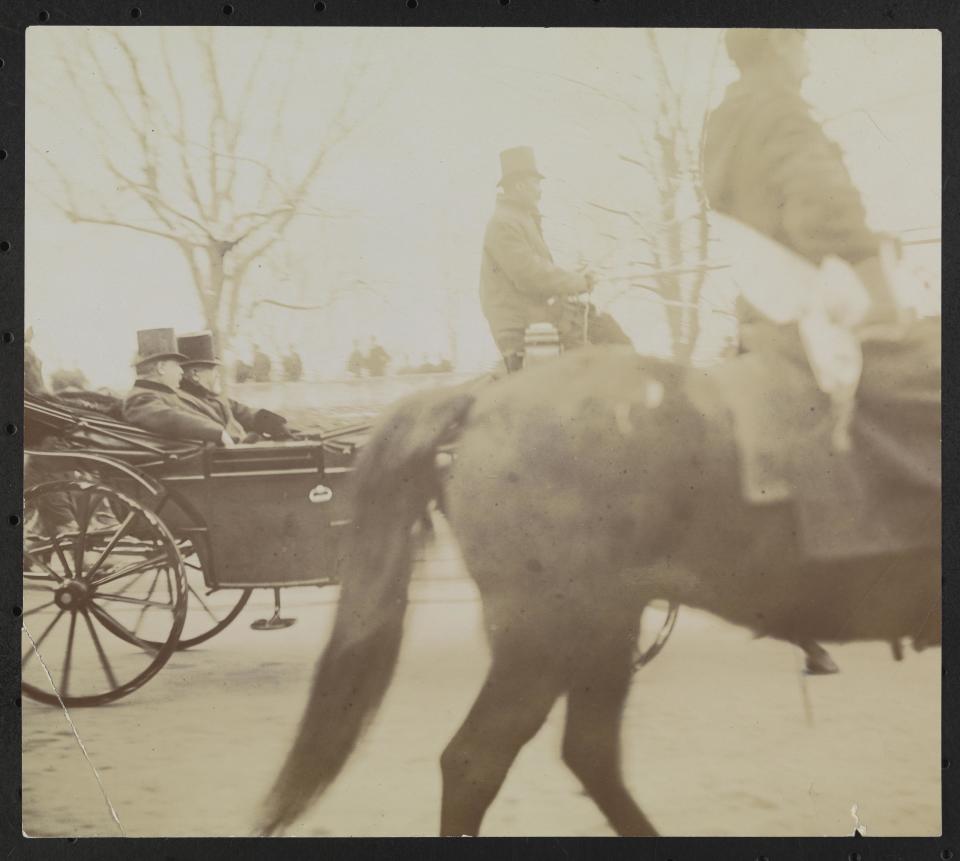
517	161
198	349
154	344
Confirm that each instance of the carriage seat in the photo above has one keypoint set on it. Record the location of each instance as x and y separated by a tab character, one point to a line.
90	421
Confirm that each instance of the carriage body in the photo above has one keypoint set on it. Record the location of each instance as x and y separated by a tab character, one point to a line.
124	529
144	546
271	513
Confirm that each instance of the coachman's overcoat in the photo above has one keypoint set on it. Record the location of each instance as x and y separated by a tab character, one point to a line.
518	275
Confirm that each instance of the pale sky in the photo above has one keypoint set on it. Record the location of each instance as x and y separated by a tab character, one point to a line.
414	186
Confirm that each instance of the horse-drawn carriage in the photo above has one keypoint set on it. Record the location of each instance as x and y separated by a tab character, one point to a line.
136	546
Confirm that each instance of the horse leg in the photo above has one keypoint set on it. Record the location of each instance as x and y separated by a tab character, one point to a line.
591	741
515	700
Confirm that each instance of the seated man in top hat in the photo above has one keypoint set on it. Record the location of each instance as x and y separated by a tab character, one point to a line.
155	403
200	383
519	282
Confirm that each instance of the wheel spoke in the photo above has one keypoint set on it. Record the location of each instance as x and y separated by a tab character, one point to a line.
83	524
59	550
107	669
29	553
145	605
118	630
35	646
38	608
68	657
111	543
203	603
82	510
39	587
136	568
140	602
168	577
126	586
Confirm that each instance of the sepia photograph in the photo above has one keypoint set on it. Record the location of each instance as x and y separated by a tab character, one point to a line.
481	431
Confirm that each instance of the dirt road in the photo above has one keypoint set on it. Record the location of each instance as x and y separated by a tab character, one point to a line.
717	738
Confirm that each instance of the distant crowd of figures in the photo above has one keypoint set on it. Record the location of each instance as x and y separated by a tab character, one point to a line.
261	371
443	366
375	360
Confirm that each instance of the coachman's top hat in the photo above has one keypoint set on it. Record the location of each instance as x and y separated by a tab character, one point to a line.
198	349
518	161
155	344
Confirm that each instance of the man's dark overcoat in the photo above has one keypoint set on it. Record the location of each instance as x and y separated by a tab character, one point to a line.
236	418
174	414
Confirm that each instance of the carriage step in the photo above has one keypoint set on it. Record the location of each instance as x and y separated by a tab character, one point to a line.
276	621
272	624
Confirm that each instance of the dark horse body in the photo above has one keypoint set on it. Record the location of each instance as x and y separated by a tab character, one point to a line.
581	490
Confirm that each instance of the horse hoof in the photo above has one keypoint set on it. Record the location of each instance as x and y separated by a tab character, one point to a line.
821	665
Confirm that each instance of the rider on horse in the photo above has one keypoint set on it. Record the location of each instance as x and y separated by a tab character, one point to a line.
769	165
519	282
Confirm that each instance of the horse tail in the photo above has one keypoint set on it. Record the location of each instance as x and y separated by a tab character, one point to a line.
394	480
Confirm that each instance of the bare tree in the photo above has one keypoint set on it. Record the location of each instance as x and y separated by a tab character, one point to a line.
675	234
204	163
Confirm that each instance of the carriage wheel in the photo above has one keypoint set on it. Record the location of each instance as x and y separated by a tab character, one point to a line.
208	611
104	594
658	617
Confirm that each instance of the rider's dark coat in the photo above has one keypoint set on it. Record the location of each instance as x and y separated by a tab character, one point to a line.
176	415
768	163
518	275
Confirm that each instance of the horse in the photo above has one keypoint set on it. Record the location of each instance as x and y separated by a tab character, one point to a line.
581	489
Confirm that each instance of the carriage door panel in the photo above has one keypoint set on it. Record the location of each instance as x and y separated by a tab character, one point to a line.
274	518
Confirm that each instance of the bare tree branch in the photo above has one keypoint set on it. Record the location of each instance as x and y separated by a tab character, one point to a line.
88	219
622	212
217	121
599	92
233	138
186	168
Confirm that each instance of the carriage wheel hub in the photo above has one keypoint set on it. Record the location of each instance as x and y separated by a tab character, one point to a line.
72	596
